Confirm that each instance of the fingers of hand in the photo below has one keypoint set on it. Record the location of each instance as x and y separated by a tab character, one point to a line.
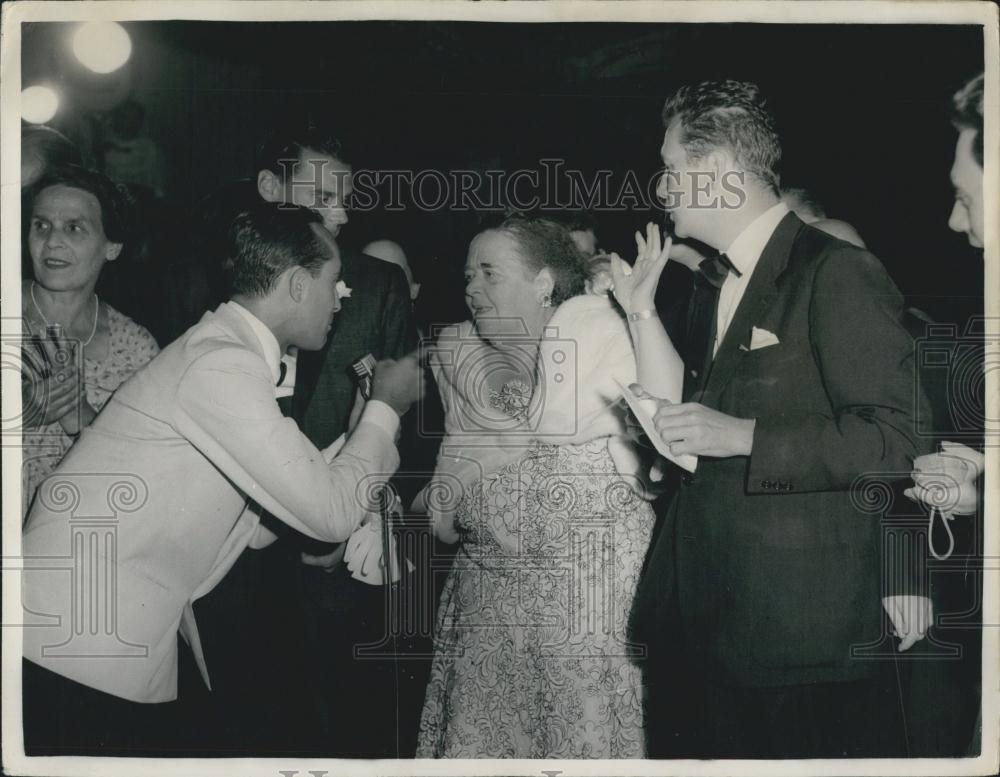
640	245
679	434
623	268
639	391
668	410
653	243
617	270
668	245
925	616
898	616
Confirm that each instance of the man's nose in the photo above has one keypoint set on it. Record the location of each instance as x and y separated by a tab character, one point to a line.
959	220
661	189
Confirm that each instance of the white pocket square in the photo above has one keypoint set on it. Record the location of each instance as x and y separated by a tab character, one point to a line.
761	338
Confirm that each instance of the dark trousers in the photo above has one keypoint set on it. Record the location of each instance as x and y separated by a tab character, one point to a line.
252	634
63	717
691	715
942	673
350	655
858	719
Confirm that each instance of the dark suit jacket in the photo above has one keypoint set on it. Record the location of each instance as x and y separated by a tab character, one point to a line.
375	319
766	563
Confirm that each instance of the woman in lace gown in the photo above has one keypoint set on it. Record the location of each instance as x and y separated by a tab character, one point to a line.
78	349
539	482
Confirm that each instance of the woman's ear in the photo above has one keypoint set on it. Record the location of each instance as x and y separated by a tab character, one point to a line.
269	186
544	284
113	251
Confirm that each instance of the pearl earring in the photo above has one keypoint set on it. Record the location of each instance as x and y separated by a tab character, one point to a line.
547	301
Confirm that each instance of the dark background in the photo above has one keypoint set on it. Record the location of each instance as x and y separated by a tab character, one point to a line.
862	111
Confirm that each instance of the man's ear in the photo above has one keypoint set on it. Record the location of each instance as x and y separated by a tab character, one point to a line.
544	283
299	282
714	164
269	186
113	252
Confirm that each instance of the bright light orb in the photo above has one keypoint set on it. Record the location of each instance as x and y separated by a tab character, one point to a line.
102	46
39	104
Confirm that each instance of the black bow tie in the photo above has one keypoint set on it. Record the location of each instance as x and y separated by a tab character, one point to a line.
282	371
715	269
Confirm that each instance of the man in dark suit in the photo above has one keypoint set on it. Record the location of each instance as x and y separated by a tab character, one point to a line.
766	578
943	691
340	613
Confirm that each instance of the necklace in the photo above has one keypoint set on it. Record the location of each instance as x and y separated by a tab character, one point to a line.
93	329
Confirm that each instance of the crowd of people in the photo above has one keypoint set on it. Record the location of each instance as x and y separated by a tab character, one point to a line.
695	577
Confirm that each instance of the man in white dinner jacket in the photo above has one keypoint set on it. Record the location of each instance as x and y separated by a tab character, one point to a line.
154	503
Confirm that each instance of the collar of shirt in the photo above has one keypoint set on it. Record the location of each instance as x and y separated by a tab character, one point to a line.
744	252
272	351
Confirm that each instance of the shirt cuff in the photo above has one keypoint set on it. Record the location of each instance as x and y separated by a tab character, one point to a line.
383	416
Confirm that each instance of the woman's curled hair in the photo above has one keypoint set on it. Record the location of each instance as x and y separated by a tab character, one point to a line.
115	201
545	244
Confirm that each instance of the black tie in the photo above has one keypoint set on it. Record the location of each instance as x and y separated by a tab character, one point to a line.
716	268
712	273
285	403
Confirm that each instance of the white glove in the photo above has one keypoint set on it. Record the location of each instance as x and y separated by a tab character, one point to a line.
947	480
911	617
363	555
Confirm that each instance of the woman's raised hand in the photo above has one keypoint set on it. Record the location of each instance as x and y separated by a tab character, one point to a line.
635	286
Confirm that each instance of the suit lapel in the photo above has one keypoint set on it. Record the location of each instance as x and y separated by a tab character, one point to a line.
310	363
757	299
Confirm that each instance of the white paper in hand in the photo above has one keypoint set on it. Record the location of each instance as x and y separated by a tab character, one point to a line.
643	410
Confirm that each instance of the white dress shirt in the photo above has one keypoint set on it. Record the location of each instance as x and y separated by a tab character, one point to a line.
744	252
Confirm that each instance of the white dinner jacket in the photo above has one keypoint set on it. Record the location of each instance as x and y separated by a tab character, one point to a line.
146	513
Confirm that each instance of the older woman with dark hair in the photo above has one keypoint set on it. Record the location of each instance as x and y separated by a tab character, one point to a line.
539	480
79	348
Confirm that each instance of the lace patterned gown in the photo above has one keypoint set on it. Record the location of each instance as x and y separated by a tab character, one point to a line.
532	657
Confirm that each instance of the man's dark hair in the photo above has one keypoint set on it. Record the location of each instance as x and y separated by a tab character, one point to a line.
115	201
544	243
281	151
727	114
967	113
265	240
